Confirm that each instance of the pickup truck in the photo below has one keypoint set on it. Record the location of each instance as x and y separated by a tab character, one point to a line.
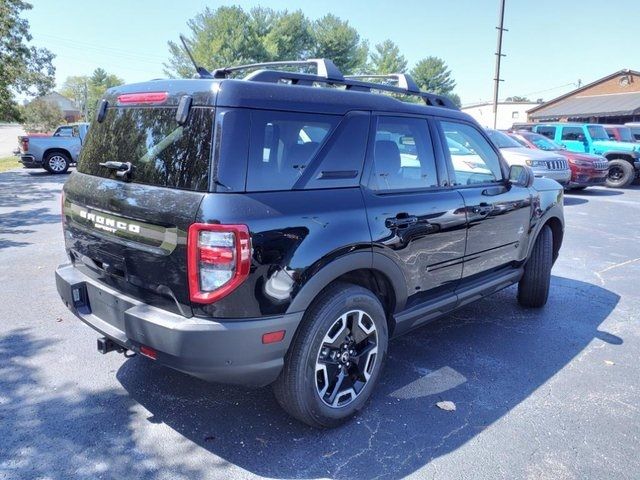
54	153
624	157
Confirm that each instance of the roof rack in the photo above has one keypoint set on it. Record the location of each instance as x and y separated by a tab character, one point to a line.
328	73
325	68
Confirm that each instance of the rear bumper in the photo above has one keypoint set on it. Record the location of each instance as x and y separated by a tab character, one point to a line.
29	161
226	351
587	178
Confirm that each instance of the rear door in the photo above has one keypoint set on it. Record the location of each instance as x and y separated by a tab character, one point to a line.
498	213
415	219
130	231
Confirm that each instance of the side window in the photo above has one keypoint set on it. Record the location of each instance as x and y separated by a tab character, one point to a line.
403	156
549	132
572	133
281	146
473	159
64	132
342	160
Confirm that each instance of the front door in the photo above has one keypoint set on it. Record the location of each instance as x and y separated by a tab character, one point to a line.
498	213
414	218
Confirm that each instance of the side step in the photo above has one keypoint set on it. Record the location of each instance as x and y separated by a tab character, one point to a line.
434	308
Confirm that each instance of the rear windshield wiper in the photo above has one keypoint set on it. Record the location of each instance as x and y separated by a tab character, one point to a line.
123	169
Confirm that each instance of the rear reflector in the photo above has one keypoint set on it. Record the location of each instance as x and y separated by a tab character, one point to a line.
148	352
148	97
273	337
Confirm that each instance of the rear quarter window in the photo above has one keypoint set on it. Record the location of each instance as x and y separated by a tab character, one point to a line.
281	147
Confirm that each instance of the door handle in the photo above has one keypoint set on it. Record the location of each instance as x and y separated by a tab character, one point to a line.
401	221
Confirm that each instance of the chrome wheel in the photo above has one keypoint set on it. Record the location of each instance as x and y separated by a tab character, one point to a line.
346	358
57	163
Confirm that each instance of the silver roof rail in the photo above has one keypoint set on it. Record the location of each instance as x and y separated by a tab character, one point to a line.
403	80
326	68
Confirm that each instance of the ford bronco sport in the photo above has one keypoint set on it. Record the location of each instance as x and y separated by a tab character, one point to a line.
280	228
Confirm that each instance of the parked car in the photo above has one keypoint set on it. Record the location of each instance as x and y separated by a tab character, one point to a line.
635	130
619	133
624	157
544	164
54	153
586	169
340	223
522	126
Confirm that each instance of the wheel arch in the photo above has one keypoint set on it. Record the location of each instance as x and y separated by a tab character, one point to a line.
371	270
51	150
613	155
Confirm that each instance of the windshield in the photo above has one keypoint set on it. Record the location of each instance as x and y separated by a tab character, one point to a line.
162	152
597	132
635	131
502	140
542	142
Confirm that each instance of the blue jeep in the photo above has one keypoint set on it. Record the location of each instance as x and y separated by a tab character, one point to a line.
624	157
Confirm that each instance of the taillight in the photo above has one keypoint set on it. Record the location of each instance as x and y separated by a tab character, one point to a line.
24	143
147	97
219	259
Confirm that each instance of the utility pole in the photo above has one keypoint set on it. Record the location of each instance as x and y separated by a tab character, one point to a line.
499	56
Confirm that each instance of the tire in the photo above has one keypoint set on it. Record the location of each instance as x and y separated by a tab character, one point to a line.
577	189
533	288
621	173
57	162
307	387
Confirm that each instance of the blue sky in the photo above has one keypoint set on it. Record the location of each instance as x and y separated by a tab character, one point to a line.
551	44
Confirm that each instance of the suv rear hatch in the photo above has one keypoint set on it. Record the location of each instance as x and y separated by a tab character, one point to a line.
142	175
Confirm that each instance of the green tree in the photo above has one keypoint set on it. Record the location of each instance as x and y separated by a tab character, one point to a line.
455	98
86	91
42	116
386	58
432	75
336	40
289	36
218	38
23	69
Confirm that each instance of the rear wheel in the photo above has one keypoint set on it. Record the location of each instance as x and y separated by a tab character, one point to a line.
56	162
336	357
621	173
533	289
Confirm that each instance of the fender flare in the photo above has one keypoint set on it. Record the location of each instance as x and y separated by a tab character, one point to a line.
620	154
345	264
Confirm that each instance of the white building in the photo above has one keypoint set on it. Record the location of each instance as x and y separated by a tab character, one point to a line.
508	113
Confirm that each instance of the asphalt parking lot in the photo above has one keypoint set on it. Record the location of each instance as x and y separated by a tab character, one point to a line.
551	393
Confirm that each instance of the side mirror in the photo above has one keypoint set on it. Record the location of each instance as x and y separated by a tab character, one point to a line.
521	175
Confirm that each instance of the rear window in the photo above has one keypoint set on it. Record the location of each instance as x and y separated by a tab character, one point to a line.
162	152
281	146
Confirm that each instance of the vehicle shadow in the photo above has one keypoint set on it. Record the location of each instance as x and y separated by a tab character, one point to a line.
597	192
487	358
569	201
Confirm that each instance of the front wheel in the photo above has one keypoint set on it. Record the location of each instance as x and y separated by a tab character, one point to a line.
621	174
533	289
56	162
336	357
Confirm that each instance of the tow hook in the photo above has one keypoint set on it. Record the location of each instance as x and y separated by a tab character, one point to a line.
106	345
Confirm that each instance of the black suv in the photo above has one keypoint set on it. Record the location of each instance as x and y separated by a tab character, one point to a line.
280	228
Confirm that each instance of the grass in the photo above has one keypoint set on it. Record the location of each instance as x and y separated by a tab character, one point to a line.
9	163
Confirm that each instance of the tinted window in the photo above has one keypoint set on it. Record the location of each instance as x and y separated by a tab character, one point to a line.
341	162
162	152
549	132
597	132
64	132
572	133
502	140
473	159
281	146
402	155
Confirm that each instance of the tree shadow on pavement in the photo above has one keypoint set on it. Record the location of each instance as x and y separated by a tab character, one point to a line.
49	433
487	358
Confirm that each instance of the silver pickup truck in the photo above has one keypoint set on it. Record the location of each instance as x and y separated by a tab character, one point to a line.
54	153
